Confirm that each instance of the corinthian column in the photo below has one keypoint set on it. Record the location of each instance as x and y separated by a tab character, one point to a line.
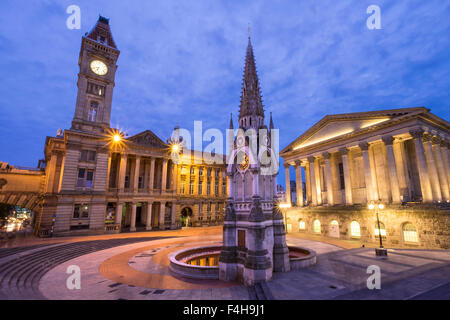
442	173
299	183
288	182
347	179
432	170
392	168
328	178
425	185
445	159
370	195
312	181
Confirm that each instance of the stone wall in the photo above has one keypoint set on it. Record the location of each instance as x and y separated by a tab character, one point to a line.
432	223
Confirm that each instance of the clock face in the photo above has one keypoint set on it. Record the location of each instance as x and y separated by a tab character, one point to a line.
98	67
244	164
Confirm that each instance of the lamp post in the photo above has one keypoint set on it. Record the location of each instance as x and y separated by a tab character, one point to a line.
379	251
285	206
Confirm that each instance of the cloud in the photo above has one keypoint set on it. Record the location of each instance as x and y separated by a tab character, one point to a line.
183	61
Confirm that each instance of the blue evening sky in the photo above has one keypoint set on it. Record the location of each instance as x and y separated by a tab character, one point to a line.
183	61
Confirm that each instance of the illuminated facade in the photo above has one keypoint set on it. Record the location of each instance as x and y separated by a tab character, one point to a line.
396	157
96	180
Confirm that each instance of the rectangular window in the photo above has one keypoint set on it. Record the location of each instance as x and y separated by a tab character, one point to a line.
141	182
200	186
341	176
216	188
80	181
87	155
208	187
95	89
191	186
200	171
80	211
89	178
127	182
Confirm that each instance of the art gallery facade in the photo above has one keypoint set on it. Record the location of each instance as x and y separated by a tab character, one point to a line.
398	158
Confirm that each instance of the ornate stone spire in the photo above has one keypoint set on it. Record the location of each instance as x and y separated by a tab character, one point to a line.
251	101
231	121
102	33
271	122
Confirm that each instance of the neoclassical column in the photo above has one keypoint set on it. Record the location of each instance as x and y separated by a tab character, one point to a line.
445	159
299	182
108	172
164	175
307	182
312	181
173	216
162	215
133	217
118	217
370	194
148	221
442	173
137	169
347	178
122	172
328	178
425	184
432	168
392	169
151	177
288	182
175	177
196	180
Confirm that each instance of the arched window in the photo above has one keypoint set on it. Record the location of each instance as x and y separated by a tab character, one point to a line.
316	226
334	229
381	231
355	229
301	225
410	233
289	225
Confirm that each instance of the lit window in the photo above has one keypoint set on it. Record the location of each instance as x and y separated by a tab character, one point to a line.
92	116
191	185
334	229
301	225
355	230
80	211
316	226
382	230
410	233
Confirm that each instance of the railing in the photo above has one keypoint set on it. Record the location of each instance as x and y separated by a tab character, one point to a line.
112	227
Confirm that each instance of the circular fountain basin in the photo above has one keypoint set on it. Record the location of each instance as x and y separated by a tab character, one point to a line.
203	262
196	263
301	257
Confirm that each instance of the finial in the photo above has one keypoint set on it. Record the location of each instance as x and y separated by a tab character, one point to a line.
249	30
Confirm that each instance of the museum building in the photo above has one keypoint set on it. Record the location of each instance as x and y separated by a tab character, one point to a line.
397	158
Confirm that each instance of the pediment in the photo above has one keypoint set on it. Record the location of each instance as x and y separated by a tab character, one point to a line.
148	139
335	126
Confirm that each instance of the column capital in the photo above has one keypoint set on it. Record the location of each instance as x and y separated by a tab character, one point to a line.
427	137
364	146
344	151
436	140
416	133
298	163
326	155
311	159
286	165
388	140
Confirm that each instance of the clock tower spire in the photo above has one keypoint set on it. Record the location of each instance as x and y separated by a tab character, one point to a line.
97	62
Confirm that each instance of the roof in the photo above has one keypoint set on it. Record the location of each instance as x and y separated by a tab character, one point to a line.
102	28
358	123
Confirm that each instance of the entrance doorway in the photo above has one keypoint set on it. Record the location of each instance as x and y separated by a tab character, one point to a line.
186	217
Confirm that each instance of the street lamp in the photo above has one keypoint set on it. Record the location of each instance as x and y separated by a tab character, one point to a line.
285	206
378	251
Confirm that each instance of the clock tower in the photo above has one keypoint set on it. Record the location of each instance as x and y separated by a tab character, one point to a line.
97	62
254	240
